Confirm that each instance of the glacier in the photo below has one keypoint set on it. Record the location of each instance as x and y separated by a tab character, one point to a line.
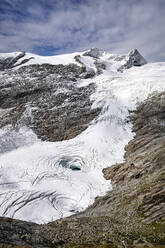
43	181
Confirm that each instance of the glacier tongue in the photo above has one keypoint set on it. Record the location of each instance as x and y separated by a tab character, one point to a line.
44	181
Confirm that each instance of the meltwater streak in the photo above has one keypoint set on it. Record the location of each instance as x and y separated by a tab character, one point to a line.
47	181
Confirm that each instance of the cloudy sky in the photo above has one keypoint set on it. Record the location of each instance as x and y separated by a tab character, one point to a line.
49	27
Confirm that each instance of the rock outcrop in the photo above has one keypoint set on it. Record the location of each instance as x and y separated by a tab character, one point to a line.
134	59
131	215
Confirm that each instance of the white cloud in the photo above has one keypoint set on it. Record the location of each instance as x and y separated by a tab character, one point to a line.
114	25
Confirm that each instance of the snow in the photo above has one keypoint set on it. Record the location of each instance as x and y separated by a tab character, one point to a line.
37	181
88	58
88	62
112	61
14	137
8	55
64	59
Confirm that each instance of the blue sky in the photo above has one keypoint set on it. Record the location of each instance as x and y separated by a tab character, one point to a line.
49	27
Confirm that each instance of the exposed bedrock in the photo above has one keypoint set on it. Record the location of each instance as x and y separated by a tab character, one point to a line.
134	59
59	109
131	215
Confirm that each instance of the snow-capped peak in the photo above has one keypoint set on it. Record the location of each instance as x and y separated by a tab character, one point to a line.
92	59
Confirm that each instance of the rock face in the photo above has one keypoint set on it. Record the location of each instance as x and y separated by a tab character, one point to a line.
59	109
131	215
134	59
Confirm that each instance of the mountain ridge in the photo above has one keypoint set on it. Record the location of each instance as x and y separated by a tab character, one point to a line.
17	59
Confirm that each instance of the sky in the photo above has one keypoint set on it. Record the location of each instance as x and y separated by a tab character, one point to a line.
50	27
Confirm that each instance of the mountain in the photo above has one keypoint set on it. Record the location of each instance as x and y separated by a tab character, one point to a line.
64	120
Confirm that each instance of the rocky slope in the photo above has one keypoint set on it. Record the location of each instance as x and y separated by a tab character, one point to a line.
131	215
58	109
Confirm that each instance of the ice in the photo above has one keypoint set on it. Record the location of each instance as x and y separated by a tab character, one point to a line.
18	136
8	55
44	181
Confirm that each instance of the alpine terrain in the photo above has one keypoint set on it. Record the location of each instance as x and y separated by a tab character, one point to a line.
82	150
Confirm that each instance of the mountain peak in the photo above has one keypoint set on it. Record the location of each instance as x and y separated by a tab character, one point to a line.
94	52
136	58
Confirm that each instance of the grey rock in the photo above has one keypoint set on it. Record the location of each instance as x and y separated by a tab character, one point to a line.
134	59
59	109
93	52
